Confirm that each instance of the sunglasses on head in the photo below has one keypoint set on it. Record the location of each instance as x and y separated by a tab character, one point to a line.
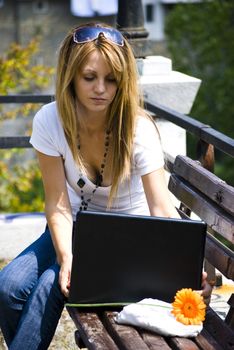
85	34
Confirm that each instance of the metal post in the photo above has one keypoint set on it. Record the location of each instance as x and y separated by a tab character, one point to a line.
130	21
16	21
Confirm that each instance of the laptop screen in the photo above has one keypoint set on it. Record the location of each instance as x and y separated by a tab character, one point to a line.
120	259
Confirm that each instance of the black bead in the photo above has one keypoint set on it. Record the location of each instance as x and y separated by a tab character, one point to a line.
99	179
81	182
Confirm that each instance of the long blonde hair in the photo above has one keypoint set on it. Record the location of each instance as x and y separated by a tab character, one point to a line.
122	112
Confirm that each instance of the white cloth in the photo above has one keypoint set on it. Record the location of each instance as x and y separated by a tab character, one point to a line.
155	315
82	8
48	137
90	8
105	7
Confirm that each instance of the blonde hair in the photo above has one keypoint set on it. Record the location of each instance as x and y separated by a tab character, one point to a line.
122	112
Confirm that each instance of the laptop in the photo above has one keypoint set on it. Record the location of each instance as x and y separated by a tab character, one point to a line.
119	259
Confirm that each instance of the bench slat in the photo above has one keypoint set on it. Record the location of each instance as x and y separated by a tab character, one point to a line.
126	337
218	330
230	316
154	341
208	183
206	342
182	344
92	331
215	217
220	256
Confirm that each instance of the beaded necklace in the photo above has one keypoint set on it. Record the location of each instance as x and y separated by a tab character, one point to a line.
99	179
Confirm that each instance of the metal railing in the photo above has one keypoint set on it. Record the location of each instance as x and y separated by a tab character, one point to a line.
208	138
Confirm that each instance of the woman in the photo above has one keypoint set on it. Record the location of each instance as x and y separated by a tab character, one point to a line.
97	150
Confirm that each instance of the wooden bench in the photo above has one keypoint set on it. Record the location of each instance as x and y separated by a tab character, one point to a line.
212	200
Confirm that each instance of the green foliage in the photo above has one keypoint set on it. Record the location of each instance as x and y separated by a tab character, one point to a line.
21	187
201	42
18	74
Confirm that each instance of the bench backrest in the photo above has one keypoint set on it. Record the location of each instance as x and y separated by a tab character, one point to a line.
212	200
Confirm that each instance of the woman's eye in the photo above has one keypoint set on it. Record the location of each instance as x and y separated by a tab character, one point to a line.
111	79
88	78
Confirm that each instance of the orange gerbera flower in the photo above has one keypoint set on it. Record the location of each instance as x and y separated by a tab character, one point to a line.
189	307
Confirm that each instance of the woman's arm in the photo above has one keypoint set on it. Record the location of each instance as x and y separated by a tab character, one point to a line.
58	213
157	195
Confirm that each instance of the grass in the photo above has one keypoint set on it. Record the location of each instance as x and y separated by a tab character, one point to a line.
64	336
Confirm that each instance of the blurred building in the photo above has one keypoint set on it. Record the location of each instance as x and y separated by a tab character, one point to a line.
22	20
155	12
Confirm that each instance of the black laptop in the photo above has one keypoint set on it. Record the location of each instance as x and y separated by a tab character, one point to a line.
120	259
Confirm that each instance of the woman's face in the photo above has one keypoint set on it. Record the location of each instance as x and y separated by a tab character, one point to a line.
95	85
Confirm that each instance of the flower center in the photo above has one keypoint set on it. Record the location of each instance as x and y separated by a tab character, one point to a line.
189	310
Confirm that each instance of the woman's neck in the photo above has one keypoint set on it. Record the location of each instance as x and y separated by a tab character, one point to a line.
92	122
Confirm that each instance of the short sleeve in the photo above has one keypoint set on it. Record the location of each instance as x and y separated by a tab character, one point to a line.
148	154
44	133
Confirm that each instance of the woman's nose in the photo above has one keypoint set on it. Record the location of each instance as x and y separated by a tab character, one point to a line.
100	86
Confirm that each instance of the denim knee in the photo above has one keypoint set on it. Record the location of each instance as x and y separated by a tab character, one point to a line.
11	292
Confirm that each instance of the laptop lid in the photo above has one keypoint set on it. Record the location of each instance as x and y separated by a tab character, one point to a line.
120	259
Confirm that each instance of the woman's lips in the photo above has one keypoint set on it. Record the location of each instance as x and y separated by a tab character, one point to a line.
98	100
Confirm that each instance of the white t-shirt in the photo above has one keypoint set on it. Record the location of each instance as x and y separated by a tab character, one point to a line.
48	137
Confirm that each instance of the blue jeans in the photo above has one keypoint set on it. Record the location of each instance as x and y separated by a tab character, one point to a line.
31	301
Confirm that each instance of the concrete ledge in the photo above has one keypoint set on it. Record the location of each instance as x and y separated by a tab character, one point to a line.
17	231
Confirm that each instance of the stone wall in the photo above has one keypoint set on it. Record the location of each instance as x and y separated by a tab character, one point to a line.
22	20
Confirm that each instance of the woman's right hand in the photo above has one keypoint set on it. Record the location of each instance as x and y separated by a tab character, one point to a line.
65	276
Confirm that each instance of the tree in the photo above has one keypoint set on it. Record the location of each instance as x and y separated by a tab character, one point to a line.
200	38
20	186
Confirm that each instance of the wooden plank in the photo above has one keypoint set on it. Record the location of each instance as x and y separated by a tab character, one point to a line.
230	316
215	217
220	256
218	330
177	343
78	339
169	162
208	183
126	337
154	341
206	342
93	333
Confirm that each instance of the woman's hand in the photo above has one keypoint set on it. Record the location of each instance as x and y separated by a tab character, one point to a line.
65	276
